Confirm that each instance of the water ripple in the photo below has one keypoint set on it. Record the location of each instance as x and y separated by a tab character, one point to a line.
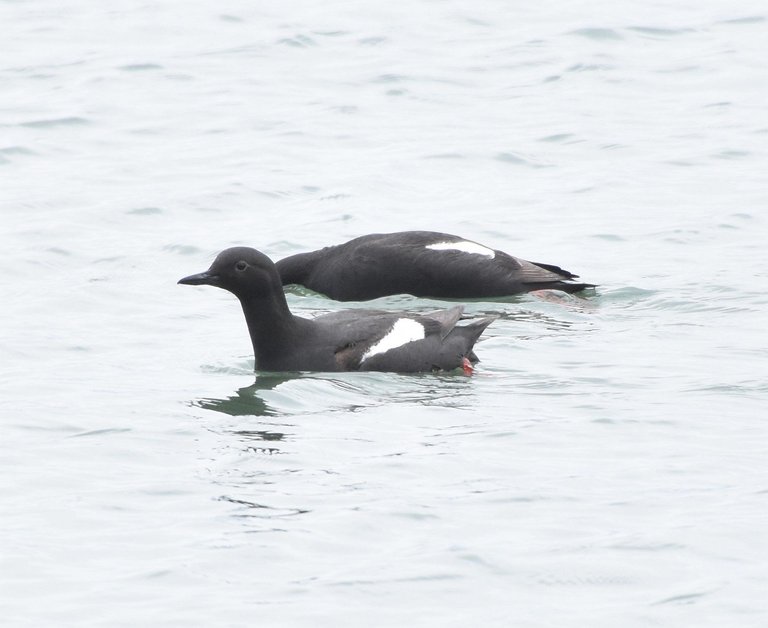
55	122
598	34
140	67
248	509
660	32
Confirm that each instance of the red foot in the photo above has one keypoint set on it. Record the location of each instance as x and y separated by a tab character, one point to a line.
466	366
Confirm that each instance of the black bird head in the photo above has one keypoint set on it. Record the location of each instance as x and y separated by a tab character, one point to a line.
245	272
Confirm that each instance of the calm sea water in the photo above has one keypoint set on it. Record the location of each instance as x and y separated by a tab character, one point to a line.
605	466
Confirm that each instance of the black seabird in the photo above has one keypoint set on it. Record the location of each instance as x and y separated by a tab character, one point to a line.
421	263
352	340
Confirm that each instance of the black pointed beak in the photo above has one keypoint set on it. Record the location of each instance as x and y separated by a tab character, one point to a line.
204	278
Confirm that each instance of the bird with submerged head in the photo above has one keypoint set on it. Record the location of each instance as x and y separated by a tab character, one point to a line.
421	263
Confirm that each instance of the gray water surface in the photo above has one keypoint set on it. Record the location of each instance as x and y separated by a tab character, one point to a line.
606	464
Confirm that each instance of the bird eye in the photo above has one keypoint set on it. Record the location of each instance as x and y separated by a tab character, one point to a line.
241	265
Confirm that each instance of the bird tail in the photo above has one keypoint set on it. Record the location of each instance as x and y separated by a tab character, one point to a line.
471	332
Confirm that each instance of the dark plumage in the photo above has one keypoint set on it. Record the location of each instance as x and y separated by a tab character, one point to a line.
421	263
353	340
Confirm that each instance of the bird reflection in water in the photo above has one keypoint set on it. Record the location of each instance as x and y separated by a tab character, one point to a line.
247	401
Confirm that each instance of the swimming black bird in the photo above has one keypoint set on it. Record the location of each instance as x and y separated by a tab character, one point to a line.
352	340
421	263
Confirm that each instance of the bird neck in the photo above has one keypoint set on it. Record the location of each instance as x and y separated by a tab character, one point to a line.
296	268
272	327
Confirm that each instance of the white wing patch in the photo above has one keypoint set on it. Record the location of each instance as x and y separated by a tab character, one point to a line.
465	246
404	330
